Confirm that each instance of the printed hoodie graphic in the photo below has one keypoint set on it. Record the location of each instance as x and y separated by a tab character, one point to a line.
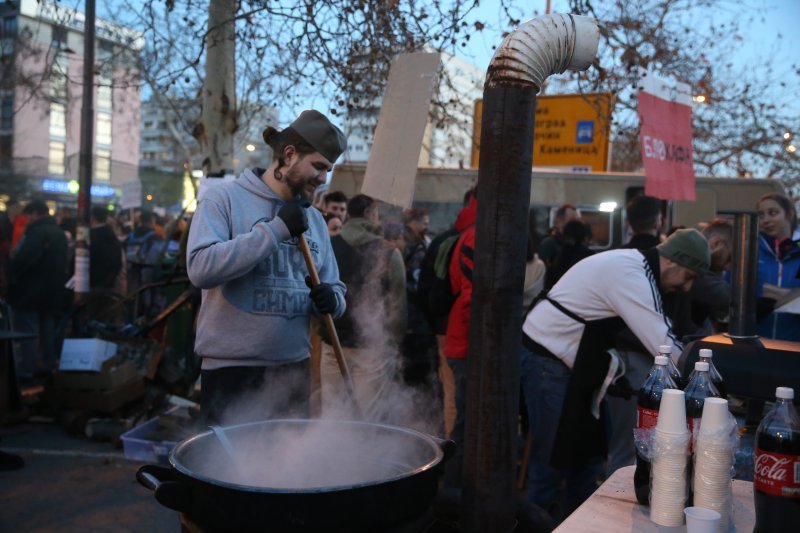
255	301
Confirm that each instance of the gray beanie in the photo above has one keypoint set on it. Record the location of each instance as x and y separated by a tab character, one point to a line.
317	131
688	248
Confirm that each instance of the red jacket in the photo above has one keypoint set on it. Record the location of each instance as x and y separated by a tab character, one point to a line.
456	340
20	221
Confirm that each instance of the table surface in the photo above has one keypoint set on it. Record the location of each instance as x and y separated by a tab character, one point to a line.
613	507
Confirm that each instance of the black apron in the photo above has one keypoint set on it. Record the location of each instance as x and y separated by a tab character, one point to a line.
581	437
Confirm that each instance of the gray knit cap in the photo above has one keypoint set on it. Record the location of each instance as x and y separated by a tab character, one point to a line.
688	248
318	131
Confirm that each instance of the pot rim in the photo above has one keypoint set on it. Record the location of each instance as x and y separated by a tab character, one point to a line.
177	465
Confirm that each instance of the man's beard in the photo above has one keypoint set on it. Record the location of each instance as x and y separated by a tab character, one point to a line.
297	185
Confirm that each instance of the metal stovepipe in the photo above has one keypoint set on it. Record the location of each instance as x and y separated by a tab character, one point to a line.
540	47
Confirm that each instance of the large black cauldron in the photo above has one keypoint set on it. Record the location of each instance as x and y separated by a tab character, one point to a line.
301	475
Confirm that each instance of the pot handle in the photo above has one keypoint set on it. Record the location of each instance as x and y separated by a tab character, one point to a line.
152	476
168	491
448	447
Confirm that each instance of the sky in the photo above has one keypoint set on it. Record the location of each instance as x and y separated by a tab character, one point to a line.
781	20
780	17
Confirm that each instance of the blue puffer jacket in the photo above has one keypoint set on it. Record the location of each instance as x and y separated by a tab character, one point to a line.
783	273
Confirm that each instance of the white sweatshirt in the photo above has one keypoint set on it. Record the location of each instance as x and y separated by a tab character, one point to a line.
614	283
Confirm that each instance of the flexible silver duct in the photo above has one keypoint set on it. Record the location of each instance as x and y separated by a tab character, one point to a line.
542	46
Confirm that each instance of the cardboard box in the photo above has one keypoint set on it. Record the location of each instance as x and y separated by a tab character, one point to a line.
86	355
113	373
103	400
116	384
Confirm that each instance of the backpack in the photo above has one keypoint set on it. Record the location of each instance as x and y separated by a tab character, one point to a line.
137	249
440	295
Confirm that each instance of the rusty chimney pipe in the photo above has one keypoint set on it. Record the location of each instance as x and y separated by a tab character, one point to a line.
540	47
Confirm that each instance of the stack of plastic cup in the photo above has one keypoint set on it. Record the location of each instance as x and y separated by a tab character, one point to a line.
670	449
714	455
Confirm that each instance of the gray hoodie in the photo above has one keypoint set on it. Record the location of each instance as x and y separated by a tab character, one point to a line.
255	309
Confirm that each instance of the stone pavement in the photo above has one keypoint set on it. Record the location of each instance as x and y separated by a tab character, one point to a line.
73	484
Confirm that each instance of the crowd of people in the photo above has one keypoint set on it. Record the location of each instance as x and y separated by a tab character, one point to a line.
127	251
400	300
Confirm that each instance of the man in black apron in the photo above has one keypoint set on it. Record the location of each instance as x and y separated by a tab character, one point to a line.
565	359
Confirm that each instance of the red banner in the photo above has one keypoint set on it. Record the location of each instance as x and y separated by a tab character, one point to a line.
666	140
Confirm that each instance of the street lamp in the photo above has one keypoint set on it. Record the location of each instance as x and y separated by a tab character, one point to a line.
700	98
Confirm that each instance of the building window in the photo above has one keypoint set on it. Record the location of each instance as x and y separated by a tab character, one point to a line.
105	51
58	78
5	151
56	158
102	162
6	46
7	114
148	124
9	26
58	120
104	96
103	128
59	37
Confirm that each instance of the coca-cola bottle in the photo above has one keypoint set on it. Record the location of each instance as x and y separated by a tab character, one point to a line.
716	378
646	417
666	350
697	390
777	466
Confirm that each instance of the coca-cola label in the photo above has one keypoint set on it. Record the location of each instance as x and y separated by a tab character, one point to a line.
646	418
777	474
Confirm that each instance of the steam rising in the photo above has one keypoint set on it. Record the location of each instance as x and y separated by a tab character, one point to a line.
331	452
310	454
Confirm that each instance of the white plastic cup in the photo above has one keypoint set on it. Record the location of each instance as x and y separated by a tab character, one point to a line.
701	520
715	415
672	413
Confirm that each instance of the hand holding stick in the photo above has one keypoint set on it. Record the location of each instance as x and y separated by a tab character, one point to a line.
328	319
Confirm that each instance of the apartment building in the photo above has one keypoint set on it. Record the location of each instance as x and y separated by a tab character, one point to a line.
167	144
41	102
448	136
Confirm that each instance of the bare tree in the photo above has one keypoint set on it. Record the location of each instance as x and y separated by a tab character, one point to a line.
337	53
739	128
334	52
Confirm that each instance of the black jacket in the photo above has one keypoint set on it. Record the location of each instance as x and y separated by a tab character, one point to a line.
105	257
39	267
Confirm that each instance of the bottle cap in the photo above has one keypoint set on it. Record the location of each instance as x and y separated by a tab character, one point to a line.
665	348
784	393
661	360
701	366
705	352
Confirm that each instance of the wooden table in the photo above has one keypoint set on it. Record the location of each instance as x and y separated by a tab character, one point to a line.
613	507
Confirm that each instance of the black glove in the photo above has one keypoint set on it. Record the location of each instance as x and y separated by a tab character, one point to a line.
323	296
293	214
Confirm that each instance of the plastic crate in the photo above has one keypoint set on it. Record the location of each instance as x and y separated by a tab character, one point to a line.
138	447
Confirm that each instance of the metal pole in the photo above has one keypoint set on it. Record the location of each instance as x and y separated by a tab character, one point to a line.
489	496
85	166
744	273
